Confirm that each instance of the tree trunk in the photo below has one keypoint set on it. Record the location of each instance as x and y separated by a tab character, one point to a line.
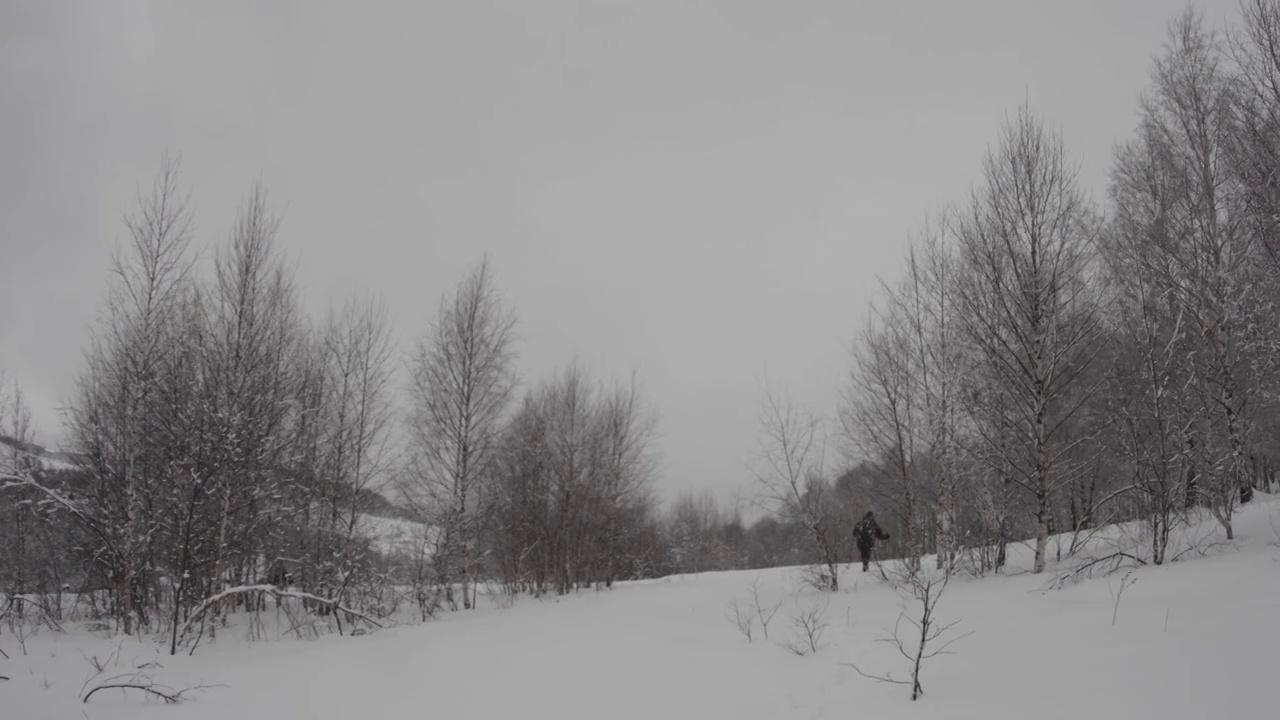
219	557
1042	531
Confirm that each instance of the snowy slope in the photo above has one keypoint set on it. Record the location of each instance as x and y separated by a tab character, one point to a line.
57	462
1195	639
48	459
392	536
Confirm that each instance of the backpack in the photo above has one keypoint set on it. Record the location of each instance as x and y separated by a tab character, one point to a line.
863	533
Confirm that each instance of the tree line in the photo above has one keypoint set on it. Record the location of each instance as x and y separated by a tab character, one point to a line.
1048	364
224	441
224	447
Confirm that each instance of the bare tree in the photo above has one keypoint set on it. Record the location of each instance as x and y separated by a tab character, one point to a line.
253	328
899	408
186	511
789	473
1254	148
573	488
571	450
627	465
927	636
356	418
522	507
1026	248
764	612
743	617
16	429
462	385
1201	254
939	356
1150	379
111	419
881	419
693	524
809	624
1254	157
992	499
19	557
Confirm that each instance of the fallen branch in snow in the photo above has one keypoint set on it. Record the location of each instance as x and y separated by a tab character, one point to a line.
886	678
171	697
168	698
139	679
1085	569
1200	548
144	684
199	613
100	666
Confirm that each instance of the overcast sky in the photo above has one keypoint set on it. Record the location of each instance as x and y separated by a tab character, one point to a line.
699	191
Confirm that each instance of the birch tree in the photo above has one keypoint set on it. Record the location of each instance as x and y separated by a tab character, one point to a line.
573	489
1204	255
624	476
253	328
790	472
1254	157
111	418
1026	249
900	403
355	418
568	402
1150	382
523	501
19	556
1254	148
462	382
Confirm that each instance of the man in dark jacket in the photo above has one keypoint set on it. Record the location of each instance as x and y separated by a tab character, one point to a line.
865	534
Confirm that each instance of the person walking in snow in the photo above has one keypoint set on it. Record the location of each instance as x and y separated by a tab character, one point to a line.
865	534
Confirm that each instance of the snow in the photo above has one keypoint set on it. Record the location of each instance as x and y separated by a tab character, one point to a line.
48	462
1192	639
392	536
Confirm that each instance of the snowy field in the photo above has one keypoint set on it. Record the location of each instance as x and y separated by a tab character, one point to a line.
1194	639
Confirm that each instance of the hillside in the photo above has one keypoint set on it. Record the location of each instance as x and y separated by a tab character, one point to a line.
1192	639
51	460
386	523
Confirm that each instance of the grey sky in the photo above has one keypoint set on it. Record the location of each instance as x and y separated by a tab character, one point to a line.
700	191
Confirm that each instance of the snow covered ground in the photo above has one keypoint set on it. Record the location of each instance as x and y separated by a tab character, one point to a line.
1195	639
